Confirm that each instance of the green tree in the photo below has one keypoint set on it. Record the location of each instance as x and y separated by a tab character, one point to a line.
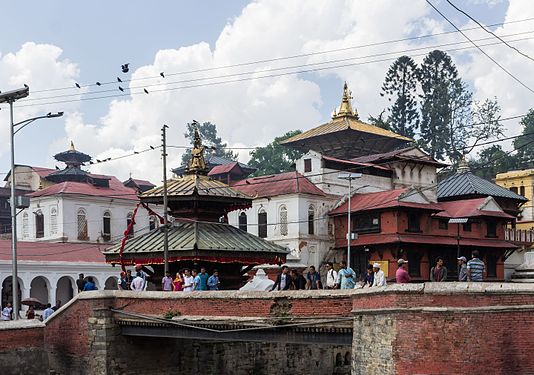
380	121
439	80
275	158
208	133
525	144
400	86
491	161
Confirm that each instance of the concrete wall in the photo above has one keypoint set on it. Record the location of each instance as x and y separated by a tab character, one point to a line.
22	348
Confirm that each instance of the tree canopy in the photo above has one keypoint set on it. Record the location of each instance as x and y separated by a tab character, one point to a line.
210	140
275	158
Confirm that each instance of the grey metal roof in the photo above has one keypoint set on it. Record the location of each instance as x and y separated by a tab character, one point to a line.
198	236
467	184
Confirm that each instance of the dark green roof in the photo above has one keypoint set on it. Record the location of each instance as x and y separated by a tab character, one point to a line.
193	240
466	184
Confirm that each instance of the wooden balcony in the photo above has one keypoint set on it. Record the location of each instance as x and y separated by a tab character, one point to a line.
519	236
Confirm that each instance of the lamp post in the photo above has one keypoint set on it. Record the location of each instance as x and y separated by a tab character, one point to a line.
349	177
10	97
458	221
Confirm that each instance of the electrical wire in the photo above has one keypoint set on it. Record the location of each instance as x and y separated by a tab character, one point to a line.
480	49
488	30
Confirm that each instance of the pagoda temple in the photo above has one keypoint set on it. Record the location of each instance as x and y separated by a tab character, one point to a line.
199	234
346	136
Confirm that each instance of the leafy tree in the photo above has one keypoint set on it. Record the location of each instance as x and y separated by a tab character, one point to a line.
275	158
439	81
380	121
400	85
491	161
208	133
525	144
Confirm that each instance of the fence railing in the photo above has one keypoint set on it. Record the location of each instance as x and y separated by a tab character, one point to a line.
523	236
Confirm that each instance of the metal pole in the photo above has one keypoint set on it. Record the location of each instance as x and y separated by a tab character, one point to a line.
458	248
14	273
165	200
349	225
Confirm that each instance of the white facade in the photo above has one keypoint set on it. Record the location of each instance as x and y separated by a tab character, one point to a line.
62	217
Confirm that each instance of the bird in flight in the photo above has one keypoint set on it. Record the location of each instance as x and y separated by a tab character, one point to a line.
77	85
146	91
120	88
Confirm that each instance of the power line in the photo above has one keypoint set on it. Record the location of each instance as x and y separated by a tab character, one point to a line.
489	31
287	57
166	84
480	49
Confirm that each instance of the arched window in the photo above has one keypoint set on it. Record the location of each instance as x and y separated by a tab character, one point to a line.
106	226
39	224
82	225
262	223
128	221
243	221
311	220
283	221
152	222
53	220
25	225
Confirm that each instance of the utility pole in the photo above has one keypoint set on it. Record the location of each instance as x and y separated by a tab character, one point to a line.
165	200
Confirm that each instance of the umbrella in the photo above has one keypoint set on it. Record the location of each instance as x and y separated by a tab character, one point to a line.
31	302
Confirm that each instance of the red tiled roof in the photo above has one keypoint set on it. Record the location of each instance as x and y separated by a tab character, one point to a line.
468	208
142	182
54	252
385	238
115	190
278	184
42	172
381	200
354	162
223	168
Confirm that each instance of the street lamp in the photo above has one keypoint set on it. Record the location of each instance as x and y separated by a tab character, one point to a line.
350	177
10	97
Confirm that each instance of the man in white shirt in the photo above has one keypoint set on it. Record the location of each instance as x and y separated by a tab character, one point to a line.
380	278
331	276
189	281
7	311
138	283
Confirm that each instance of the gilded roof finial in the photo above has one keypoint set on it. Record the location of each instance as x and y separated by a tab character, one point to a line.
72	146
197	163
462	165
345	109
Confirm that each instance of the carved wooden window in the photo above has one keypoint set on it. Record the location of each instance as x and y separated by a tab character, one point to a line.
83	234
283	221
243	221
262	224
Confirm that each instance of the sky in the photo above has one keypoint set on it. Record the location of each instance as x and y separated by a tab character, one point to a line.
227	62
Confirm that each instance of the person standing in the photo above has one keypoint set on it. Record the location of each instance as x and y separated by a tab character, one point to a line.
283	280
298	282
142	274
129	279
189	281
313	279
57	306
80	283
475	268
345	277
379	278
48	311
369	278
439	271
331	276
166	282
178	283
138	283
196	279
462	265
402	276
90	284
213	281
7	311
203	279
30	314
123	281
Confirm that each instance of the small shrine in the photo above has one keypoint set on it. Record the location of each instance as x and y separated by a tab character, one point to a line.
198	234
345	136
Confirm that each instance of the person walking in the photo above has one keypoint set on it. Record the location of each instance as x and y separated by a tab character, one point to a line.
462	265
178	283
166	282
80	283
475	268
189	281
283	280
331	276
90	284
402	276
298	282
30	314
379	278
439	271
7	311
48	311
345	277
213	281
313	279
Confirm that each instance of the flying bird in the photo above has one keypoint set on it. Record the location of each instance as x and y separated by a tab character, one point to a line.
118	79
98	84
146	91
120	88
125	68
77	85
162	74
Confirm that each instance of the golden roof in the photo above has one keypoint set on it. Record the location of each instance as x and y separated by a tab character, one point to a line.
345	109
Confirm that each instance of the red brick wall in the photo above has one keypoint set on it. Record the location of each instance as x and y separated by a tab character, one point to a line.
11	339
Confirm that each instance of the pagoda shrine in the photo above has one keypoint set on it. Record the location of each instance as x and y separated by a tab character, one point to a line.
198	234
346	136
